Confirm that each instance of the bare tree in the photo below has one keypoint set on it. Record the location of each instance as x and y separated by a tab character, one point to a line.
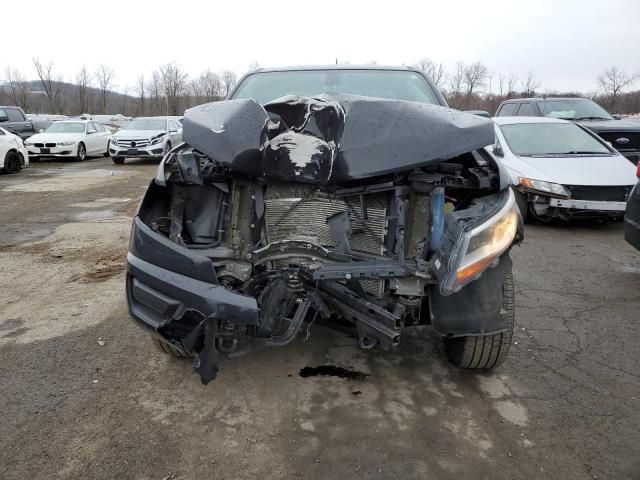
174	83
104	75
530	85
211	86
456	78
229	80
52	86
140	91
155	92
614	80
18	89
435	71
83	81
474	77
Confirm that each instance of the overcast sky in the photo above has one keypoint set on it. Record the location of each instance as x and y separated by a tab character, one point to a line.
566	43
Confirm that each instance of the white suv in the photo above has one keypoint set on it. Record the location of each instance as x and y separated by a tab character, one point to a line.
145	137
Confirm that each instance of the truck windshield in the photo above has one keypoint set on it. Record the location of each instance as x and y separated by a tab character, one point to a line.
264	87
578	109
551	139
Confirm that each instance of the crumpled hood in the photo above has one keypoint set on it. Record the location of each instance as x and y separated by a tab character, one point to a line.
331	139
137	134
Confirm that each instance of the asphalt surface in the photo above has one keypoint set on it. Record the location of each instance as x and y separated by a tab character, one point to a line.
85	395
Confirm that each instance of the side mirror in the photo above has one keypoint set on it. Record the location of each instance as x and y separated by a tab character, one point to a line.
89	132
497	150
40	130
617	117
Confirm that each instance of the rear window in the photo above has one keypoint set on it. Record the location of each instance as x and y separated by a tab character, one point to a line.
396	85
15	115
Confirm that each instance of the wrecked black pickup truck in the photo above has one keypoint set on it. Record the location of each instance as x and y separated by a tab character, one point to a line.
379	210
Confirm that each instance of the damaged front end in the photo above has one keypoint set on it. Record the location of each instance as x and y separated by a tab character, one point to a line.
378	212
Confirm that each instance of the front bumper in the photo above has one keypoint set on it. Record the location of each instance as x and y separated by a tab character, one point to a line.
57	151
590	205
151	151
168	286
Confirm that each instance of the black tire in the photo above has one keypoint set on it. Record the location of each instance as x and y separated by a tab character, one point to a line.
485	352
106	154
523	204
118	160
167	348
11	162
82	152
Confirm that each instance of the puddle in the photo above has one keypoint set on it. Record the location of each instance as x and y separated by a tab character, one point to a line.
94	215
332	371
10	324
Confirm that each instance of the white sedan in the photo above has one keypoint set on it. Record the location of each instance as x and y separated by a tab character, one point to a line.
562	170
77	139
13	154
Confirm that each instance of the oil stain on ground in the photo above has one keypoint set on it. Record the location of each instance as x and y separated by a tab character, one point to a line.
333	371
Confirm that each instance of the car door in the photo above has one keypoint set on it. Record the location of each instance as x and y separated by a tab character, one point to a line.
103	136
18	123
92	139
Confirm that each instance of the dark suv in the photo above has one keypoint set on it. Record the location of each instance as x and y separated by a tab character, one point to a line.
623	135
14	120
345	192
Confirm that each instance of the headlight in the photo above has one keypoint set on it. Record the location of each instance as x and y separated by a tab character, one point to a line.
542	186
28	144
67	143
155	141
114	142
482	246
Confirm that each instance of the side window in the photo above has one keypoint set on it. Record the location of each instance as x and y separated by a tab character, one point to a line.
3	114
173	125
91	127
526	110
15	115
508	110
98	127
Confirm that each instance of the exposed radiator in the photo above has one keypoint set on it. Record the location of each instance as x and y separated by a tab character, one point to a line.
299	212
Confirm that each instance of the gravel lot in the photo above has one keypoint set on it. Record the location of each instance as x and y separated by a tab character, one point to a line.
85	394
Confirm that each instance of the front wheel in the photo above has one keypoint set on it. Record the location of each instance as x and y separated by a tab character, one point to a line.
82	152
11	162
167	348
485	352
118	160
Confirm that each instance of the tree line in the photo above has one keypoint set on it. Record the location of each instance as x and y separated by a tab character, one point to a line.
168	90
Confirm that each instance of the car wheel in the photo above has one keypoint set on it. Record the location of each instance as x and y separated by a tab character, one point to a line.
82	152
523	204
106	154
485	352
167	348
11	162
118	160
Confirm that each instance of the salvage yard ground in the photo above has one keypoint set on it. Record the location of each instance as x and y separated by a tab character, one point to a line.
85	394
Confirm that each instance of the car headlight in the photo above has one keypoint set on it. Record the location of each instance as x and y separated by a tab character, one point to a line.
67	143
28	143
155	141
543	187
482	245
114	142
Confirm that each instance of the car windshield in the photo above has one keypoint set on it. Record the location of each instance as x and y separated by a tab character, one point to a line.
146	124
574	110
551	139
397	85
66	127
